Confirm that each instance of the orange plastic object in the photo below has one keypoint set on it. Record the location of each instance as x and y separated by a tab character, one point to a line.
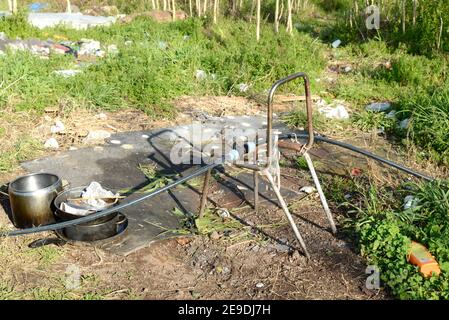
421	257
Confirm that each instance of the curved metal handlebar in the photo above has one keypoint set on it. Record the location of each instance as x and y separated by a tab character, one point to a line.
308	106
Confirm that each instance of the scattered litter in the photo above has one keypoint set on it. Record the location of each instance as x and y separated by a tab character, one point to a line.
162	45
241	187
90	47
51	143
3	36
243	87
67	73
347	69
58	127
391	115
101	116
378	106
145	136
223	213
112	49
336	43
96	136
73	148
128	42
308	189
37	6
71	20
338	112
259	285
404	123
410	202
186	37
116	142
200	74
356	172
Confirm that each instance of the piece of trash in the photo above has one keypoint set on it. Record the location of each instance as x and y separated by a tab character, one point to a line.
391	115
58	127
67	73
308	189
404	123
128	42
243	87
223	213
378	106
89	47
410	202
162	45
95	191
51	143
336	43
259	285
37	6
73	148
420	256
101	116
338	112
112	49
356	172
200	74
96	136
186	37
116	142
145	136
347	69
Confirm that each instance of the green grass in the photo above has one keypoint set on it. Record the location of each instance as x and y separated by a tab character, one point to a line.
383	230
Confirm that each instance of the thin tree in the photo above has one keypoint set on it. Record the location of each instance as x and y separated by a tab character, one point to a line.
289	17
173	7
258	21
215	10
190	8
276	17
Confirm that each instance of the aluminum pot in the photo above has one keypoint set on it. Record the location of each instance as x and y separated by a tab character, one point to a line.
95	232
74	193
31	197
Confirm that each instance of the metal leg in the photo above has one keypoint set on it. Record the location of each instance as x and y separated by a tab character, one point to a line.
256	191
205	193
287	212
320	192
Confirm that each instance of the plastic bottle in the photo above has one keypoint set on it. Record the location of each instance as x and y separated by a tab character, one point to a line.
421	257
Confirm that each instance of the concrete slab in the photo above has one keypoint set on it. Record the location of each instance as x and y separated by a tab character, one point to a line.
115	165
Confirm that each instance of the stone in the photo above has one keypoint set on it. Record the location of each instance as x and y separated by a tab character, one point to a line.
378	106
96	136
51	143
214	235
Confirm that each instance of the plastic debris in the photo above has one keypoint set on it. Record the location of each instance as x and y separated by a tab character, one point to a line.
37	6
420	256
90	47
378	106
58	127
243	87
112	49
391	115
101	116
51	143
259	285
67	73
95	191
404	124
410	202
223	213
347	69
338	112
200	74
162	45
115	141
308	189
336	43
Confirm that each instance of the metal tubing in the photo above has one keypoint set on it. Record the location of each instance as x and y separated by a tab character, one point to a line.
287	213
205	193
320	192
256	191
270	111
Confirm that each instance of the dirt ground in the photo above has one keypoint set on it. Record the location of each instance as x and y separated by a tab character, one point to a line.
264	263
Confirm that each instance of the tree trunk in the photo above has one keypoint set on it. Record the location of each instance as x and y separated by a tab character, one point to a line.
215	10
173	7
258	21
289	17
190	8
276	17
